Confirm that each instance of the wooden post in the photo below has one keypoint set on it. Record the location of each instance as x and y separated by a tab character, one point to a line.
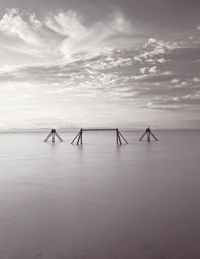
75	138
53	137
46	139
148	136
53	134
79	136
117	139
80	139
77	143
149	133
142	136
153	136
120	134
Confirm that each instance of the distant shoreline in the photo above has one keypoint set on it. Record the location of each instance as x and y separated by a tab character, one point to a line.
76	129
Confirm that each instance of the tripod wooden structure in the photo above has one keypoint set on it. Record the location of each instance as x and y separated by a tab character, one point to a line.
119	137
148	133
53	134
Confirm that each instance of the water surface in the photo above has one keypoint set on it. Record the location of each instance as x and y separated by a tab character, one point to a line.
60	201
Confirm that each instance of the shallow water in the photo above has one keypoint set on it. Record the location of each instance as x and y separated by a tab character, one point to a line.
60	201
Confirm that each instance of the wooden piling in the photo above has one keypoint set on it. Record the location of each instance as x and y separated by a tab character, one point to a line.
53	134
148	133
79	136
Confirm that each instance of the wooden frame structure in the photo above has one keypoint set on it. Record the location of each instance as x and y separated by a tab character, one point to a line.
119	137
148	133
53	134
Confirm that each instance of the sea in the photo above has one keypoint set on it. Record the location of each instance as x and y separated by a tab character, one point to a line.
100	200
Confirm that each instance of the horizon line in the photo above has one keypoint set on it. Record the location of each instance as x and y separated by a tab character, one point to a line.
78	128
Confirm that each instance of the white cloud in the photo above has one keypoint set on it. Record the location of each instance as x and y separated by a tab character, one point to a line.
162	60
65	34
13	24
151	41
67	24
196	79
175	81
155	51
96	60
153	70
144	70
36	24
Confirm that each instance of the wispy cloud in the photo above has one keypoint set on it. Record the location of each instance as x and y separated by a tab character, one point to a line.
12	24
100	64
109	76
65	34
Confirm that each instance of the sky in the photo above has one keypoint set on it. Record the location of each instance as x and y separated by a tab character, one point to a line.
94	63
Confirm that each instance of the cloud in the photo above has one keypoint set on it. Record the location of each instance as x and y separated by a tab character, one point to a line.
12	24
66	35
162	60
99	60
153	70
175	94
176	103
155	77
68	24
155	52
150	70
107	75
154	58
144	70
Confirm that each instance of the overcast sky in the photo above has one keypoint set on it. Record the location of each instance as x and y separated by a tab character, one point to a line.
86	63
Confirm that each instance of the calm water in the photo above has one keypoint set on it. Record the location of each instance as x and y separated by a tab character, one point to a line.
59	201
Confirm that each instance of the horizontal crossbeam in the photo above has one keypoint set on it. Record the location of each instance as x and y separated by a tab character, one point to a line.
96	129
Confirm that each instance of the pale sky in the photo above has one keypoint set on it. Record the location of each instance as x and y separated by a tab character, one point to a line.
92	63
